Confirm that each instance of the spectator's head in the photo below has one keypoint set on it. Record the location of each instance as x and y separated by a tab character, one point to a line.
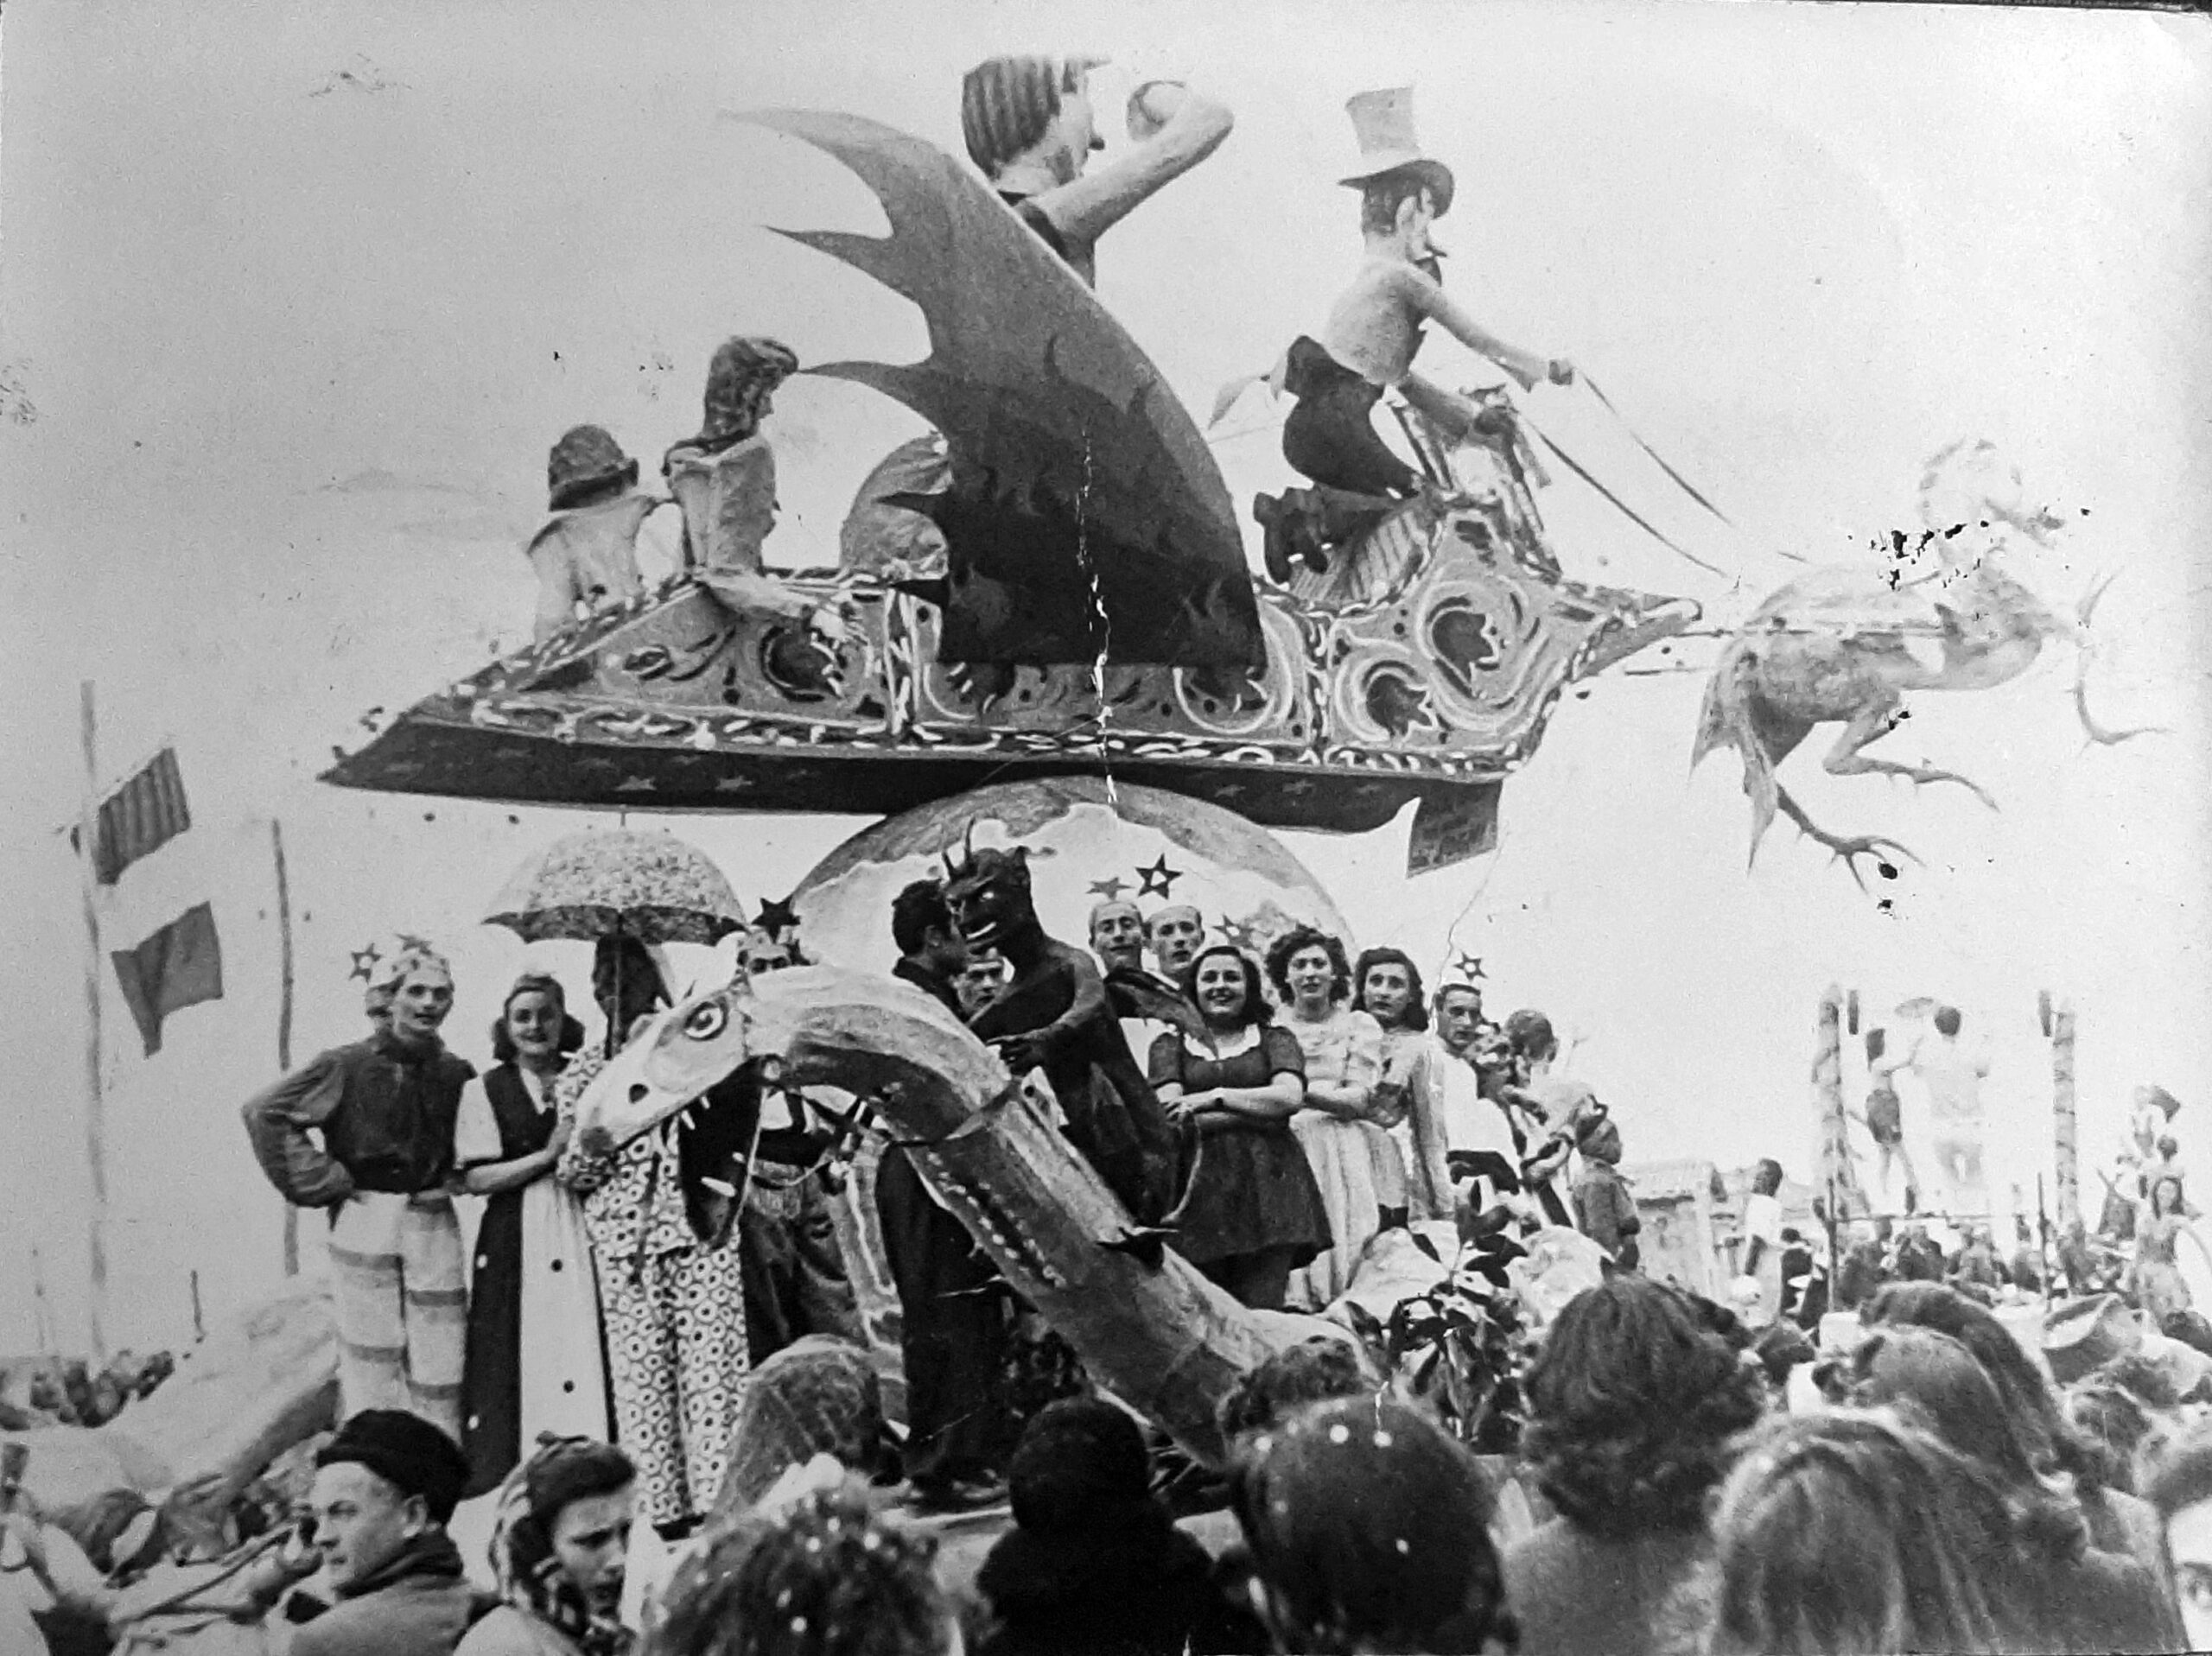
1781	1347
1459	1016
816	1396
411	992
763	952
1177	932
1308	968
1224	983
2192	1329
534	1028
626	982
2050	1442
1631	1405
1596	1134
562	1538
1529	1034
1947	1020
2179	1487
2166	1196
1080	1468
921	926
1313	1371
826	1577
1013	106
1368	1529
2114	1424
384	1481
1766	1178
1387	984
1934	1378
1117	935
1850	1530
980	980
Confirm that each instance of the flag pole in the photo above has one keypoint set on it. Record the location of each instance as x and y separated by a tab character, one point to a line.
95	1112
285	1017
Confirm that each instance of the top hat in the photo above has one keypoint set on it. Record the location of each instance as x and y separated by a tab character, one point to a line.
586	458
1384	123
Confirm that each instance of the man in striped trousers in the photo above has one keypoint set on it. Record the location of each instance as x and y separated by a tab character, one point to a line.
384	1109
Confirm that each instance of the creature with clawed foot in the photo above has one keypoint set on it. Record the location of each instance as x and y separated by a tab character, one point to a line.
1839	647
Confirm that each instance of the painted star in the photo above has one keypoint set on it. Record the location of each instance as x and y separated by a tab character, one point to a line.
365	963
410	943
1158	880
776	918
1109	891
1235	933
1467	965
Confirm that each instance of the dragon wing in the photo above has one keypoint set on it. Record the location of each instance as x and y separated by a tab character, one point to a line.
1086	516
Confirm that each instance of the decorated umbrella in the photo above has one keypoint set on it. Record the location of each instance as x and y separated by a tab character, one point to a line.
643	884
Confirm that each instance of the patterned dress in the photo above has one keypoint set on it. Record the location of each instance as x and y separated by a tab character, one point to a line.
1342	1049
673	1302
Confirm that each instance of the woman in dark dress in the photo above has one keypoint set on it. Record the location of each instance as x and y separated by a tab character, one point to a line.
1253	1214
534	1362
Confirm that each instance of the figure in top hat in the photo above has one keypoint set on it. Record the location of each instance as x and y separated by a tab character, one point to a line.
1368	345
586	553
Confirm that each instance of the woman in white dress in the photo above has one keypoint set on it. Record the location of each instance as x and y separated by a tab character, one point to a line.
1342	1142
535	1360
1387	987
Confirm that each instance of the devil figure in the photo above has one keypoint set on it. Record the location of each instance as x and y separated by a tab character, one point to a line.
1054	1015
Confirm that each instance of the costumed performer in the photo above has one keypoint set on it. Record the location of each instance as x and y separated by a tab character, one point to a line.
536	1361
384	1109
672	1288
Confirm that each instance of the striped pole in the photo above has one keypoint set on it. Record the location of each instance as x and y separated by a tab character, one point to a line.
2063	1122
1833	1175
95	1109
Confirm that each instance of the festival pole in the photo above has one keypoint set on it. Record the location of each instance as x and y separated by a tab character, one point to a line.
95	1122
2062	1110
283	1022
1834	1175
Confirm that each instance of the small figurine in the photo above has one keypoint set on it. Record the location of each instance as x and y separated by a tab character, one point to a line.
587	552
725	480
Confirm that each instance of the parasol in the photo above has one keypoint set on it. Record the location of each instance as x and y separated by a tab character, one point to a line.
629	883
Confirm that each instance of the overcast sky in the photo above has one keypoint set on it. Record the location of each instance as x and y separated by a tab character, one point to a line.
296	297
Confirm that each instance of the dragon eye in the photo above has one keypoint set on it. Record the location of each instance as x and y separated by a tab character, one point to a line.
706	1021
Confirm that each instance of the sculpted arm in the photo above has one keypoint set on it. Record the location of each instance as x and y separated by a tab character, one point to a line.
1421	293
1193	128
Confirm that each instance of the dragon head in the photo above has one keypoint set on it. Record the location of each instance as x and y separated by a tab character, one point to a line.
680	1054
